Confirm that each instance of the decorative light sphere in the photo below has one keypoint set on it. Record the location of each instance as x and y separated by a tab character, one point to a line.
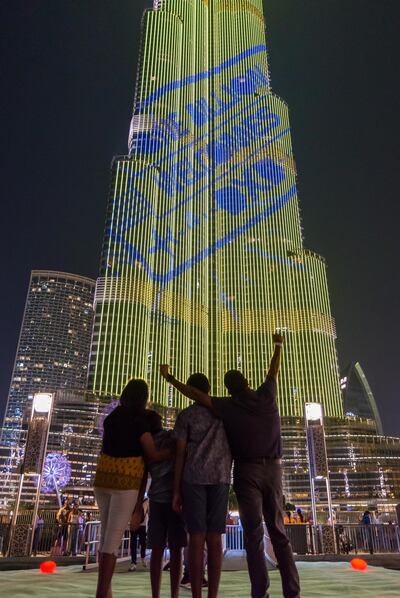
48	567
358	564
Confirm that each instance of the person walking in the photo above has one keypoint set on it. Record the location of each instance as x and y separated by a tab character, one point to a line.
119	474
138	537
252	422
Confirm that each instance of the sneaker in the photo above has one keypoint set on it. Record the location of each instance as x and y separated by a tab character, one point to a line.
204	583
132	567
185	581
144	564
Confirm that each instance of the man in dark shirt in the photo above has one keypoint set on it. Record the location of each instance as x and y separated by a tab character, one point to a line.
252	423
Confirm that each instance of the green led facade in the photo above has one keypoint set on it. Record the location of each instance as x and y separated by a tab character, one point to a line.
203	257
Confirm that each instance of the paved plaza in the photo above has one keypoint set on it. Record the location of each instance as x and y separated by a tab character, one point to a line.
319	580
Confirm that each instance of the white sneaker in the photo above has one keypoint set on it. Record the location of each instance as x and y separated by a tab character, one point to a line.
144	563
132	567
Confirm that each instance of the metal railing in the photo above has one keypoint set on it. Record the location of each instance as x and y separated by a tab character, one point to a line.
308	539
374	538
93	531
69	539
84	538
233	538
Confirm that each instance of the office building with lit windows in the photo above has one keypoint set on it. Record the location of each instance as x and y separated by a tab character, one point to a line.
54	343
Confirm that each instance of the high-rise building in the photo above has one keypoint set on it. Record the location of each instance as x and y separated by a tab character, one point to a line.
203	256
54	343
358	398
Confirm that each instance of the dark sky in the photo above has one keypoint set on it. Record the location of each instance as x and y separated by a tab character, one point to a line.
67	71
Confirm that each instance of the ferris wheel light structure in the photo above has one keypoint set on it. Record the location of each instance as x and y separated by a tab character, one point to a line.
56	473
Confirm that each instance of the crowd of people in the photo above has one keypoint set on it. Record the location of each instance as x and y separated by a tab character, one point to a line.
190	470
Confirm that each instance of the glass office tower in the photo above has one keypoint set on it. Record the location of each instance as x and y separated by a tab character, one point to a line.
203	256
54	342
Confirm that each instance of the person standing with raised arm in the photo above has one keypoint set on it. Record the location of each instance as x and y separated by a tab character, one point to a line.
252	423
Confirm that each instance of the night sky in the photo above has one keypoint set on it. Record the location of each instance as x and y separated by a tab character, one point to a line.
67	71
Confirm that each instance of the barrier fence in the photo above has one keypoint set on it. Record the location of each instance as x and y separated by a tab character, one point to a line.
83	539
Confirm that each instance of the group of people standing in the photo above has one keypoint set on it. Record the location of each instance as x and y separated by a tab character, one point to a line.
71	524
190	469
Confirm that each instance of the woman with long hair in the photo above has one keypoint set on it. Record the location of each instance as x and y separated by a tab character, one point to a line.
127	441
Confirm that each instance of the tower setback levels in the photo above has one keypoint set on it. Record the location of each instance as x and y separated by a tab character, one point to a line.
203	256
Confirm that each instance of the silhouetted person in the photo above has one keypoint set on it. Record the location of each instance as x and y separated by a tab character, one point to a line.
201	487
166	528
252	423
366	520
119	474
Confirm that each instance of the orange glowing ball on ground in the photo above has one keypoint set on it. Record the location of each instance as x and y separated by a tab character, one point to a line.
358	564
48	567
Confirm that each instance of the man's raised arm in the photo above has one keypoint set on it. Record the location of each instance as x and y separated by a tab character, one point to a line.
276	358
188	391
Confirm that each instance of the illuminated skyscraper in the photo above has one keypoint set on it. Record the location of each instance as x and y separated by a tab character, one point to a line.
54	342
203	256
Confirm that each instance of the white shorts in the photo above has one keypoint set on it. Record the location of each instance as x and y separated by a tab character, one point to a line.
116	507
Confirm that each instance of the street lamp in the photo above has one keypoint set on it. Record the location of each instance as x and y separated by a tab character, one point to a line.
35	450
318	466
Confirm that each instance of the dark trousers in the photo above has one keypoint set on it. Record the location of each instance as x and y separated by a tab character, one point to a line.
258	488
138	537
74	538
36	539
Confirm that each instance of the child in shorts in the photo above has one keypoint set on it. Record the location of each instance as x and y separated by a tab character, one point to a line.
166	528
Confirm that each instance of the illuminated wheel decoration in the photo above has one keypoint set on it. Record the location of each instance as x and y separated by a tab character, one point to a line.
56	472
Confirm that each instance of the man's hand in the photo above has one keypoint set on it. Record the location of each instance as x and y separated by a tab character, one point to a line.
164	371
276	358
277	338
177	503
190	392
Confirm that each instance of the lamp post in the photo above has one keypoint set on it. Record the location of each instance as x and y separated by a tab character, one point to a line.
35	450
318	468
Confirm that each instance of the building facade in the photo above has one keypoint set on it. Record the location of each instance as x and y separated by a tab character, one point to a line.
54	343
203	256
364	467
74	444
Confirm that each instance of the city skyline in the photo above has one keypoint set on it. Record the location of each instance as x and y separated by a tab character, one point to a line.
350	350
